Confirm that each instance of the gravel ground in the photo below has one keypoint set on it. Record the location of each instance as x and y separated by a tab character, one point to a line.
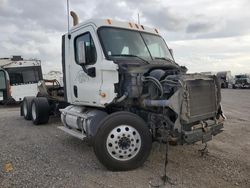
44	156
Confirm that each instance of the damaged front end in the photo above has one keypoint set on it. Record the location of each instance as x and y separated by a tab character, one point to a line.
198	109
185	106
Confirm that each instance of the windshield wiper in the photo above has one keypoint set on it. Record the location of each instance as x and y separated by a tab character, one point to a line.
167	59
131	55
164	58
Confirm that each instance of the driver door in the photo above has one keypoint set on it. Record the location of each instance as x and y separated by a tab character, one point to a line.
85	87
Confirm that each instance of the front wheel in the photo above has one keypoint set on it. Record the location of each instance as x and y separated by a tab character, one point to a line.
123	141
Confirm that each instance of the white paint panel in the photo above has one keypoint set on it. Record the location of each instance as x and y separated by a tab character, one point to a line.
18	92
110	78
115	23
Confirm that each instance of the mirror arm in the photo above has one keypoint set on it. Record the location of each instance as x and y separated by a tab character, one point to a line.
90	72
84	69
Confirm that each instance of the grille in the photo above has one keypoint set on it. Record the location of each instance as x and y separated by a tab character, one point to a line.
201	100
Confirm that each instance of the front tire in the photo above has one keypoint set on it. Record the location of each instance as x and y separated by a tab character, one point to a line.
40	110
123	141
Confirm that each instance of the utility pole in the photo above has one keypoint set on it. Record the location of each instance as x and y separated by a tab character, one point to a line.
68	13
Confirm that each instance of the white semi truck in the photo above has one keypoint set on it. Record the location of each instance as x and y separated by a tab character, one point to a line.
123	90
18	78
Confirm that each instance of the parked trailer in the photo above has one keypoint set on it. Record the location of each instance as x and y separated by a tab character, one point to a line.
123	90
225	78
19	78
48	101
242	81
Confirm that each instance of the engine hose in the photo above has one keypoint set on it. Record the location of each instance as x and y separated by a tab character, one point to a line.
156	82
170	81
122	98
156	103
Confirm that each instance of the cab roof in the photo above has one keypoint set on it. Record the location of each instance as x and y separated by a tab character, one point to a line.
115	23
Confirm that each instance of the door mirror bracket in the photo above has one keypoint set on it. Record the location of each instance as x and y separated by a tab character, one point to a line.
89	71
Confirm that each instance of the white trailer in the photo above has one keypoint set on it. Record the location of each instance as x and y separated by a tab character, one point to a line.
19	78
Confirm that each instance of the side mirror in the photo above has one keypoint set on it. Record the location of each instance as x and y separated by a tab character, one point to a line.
184	69
171	52
81	53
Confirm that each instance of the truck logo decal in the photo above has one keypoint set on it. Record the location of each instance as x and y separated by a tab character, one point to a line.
81	77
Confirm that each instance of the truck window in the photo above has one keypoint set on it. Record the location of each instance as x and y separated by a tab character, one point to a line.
2	80
156	46
24	75
90	50
123	42
120	42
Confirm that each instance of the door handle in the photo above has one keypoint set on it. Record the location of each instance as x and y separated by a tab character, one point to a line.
75	91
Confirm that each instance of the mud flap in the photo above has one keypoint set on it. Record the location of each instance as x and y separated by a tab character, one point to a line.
21	109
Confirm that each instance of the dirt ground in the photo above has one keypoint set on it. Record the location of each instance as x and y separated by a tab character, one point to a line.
44	156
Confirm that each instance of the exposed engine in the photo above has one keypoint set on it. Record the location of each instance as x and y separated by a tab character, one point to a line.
168	98
147	82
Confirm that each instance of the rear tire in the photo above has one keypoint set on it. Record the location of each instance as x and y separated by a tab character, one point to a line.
40	110
123	141
26	107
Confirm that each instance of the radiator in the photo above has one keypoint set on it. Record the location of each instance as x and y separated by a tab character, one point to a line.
201	99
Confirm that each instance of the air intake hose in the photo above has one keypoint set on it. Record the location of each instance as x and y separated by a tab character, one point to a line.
156	103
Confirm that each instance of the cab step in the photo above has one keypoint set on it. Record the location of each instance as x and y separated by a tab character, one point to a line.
72	132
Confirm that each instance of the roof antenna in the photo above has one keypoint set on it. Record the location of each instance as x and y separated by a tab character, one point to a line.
68	14
138	19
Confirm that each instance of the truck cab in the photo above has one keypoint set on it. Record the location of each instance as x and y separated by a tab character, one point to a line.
124	90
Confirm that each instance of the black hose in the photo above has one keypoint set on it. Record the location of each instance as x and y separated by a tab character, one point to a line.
156	82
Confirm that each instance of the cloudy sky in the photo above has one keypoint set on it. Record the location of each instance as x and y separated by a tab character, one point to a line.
206	35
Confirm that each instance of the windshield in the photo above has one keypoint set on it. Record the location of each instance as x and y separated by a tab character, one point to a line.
124	43
24	75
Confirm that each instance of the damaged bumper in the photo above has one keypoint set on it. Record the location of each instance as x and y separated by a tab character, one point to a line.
202	133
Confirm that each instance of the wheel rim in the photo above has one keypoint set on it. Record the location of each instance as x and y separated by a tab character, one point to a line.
123	142
25	110
33	111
